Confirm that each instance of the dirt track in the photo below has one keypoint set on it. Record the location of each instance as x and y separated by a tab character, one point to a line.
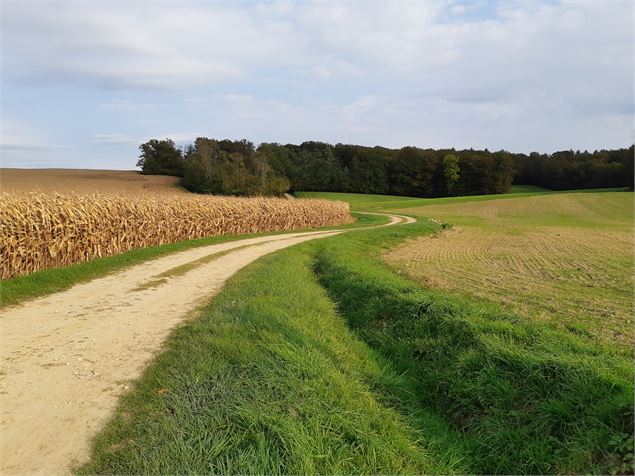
67	357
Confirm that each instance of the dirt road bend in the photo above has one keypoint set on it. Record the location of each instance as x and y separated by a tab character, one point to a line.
67	357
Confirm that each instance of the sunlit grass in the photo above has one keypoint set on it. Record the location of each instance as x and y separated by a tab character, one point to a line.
563	258
321	359
359	201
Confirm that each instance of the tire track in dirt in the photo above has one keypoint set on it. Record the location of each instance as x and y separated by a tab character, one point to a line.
68	357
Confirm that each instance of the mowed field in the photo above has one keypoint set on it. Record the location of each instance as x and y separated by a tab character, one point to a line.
86	181
563	258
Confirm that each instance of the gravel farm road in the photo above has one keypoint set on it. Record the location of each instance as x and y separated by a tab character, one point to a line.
68	357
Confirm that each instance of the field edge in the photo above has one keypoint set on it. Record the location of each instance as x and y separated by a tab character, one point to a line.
20	289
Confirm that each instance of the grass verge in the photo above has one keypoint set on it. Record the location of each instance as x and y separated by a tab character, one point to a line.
525	396
320	359
268	380
41	283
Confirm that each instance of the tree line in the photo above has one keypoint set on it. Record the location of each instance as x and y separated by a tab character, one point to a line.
569	170
240	168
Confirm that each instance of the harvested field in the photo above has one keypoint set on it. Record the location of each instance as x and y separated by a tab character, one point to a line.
86	181
562	258
45	230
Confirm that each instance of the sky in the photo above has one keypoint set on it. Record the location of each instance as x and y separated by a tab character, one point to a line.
83	83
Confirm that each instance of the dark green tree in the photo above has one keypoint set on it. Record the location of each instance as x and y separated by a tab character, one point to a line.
238	168
160	157
230	168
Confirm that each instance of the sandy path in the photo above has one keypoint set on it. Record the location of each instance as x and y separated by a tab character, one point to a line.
67	357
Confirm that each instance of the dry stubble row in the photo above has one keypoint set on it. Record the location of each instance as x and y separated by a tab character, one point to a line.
45	230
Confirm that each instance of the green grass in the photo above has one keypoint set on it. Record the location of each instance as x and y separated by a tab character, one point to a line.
41	283
527	189
527	397
562	258
321	359
268	380
360	201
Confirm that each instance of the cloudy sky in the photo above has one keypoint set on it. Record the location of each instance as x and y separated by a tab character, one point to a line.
85	82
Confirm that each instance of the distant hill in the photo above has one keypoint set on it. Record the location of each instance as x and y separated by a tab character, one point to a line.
86	181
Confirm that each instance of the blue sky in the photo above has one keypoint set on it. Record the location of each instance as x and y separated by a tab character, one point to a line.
85	82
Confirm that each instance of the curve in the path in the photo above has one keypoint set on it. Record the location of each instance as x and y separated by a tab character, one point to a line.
67	357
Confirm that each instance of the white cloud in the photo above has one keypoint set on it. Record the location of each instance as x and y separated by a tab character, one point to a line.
16	136
124	139
116	139
519	75
164	45
136	45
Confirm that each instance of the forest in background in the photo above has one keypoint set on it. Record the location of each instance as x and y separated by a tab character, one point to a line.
240	168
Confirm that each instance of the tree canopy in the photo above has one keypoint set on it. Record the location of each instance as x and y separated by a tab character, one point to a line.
160	157
241	168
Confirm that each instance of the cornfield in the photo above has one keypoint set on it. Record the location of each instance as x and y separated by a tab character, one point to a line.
46	230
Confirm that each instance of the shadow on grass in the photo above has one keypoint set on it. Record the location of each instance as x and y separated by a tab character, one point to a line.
526	397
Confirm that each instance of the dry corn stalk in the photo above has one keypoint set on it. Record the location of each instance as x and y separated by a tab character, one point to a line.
46	230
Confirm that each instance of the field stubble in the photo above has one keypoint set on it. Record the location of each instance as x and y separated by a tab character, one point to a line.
561	258
87	181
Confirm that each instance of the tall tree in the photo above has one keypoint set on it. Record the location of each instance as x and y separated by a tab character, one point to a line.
160	157
451	172
230	168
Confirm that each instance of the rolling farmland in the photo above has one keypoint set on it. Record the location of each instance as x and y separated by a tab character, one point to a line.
453	377
564	258
450	382
87	181
344	238
98	322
